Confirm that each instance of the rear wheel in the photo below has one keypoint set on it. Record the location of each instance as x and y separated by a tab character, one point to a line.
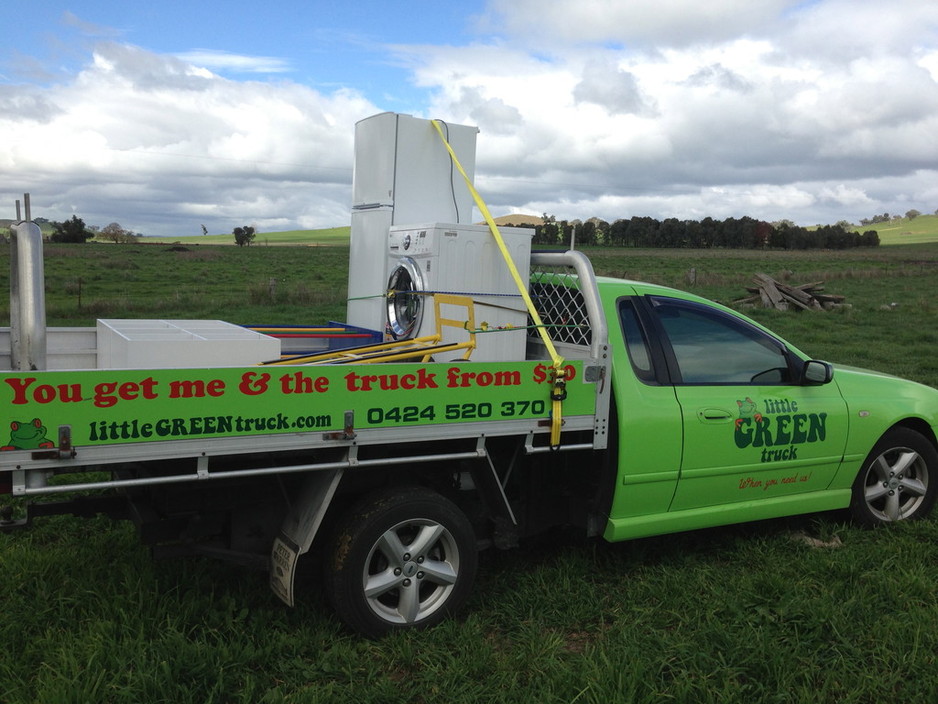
403	559
898	481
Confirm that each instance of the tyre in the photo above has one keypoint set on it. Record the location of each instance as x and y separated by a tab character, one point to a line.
898	481
401	559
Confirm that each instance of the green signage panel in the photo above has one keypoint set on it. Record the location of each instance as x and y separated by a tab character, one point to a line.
146	405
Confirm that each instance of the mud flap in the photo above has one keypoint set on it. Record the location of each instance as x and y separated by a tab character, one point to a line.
283	559
298	530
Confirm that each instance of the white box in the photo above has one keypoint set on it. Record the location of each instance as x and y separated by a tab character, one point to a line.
174	344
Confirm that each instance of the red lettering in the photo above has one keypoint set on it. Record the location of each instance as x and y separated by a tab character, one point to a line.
544	373
44	393
253	384
104	394
388	382
19	387
148	385
425	380
455	377
196	389
299	383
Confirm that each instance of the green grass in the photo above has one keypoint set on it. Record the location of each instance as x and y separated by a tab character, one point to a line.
325	236
257	284
328	236
920	230
742	614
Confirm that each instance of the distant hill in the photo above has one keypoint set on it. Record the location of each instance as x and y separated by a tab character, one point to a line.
518	219
920	230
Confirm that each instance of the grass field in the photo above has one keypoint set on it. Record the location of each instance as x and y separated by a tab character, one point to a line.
920	230
751	613
327	236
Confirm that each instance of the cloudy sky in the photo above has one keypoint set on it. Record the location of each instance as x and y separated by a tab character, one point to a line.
166	116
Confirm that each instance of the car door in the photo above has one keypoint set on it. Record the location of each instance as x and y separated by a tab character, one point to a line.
752	429
648	417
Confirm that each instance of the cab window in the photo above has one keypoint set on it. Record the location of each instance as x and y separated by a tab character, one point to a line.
712	347
636	342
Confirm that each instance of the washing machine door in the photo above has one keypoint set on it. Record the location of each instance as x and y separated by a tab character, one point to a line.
405	299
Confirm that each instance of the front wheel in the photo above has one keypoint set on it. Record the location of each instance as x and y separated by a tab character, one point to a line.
898	481
403	559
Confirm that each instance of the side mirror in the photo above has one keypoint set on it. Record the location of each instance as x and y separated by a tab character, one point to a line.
815	373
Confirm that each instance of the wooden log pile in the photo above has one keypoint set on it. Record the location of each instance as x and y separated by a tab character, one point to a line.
775	294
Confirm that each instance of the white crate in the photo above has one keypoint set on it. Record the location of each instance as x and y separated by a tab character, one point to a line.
164	344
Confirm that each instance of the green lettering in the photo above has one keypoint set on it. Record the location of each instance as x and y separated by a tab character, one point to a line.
798	434
763	436
743	437
818	428
782	436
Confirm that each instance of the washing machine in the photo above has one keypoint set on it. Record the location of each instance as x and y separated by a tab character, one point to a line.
464	260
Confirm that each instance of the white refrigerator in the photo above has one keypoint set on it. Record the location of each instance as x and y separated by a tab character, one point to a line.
402	175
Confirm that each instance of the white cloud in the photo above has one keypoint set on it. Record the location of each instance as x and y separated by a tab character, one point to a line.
929	61
839	31
749	109
149	140
643	22
845	195
605	84
494	112
88	29
224	60
810	111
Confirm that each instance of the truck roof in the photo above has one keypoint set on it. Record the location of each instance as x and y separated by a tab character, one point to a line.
608	282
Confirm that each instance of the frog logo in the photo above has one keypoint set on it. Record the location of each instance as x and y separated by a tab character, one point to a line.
748	410
29	435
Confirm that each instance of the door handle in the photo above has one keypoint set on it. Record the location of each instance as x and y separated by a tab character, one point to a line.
714	415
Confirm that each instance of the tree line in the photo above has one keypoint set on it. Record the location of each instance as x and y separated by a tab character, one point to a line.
731	233
75	230
886	217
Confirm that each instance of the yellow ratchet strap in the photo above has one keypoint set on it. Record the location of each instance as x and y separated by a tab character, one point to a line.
559	389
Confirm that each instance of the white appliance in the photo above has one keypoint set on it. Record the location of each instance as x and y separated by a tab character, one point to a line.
145	344
463	260
403	174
